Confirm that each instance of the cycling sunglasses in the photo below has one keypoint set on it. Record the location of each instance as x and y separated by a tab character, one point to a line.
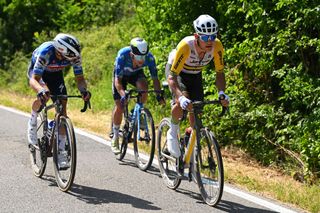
139	57
207	38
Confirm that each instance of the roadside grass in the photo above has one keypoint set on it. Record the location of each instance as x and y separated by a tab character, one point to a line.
240	169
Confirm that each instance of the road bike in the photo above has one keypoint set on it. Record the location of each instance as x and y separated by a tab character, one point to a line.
200	153
138	128
48	133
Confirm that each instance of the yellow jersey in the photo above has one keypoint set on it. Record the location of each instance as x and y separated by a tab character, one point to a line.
186	59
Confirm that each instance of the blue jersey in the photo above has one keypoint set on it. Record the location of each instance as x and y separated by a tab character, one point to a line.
44	60
124	65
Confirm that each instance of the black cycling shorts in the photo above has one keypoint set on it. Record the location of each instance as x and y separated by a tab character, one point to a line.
55	82
132	79
192	85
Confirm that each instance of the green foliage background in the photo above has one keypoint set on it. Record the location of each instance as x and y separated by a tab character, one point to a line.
272	62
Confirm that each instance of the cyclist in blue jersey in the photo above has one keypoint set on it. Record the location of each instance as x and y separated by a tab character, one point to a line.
46	77
128	68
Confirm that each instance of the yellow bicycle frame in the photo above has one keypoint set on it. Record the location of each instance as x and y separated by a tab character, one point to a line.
191	145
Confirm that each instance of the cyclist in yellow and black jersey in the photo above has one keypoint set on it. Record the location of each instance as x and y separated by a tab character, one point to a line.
184	74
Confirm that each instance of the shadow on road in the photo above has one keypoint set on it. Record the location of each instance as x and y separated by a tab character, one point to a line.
226	206
152	170
229	206
98	196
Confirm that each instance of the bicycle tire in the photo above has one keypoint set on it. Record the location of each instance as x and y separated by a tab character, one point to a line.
144	148
65	177
38	153
167	166
209	168
124	142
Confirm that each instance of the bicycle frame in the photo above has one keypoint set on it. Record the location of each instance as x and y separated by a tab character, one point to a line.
198	125
57	104
136	112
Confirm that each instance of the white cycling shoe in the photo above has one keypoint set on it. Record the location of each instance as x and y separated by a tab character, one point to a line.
173	144
32	134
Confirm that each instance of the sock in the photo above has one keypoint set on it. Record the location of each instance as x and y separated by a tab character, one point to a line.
174	127
116	131
33	118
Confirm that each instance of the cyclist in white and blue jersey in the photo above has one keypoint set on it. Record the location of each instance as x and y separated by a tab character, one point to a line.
128	68
46	77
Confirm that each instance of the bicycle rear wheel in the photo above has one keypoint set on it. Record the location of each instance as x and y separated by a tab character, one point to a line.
167	164
65	176
38	154
145	144
209	168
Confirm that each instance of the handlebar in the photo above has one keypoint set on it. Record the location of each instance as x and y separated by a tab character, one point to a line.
199	104
140	92
86	103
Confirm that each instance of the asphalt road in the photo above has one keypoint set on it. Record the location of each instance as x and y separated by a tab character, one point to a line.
102	184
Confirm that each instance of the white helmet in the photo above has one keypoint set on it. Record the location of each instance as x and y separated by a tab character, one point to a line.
139	46
206	25
67	45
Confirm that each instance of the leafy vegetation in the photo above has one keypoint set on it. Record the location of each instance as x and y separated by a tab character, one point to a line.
272	62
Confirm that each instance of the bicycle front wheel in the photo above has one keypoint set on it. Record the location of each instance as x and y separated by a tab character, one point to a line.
126	136
65	175
209	168
38	153
167	164
144	140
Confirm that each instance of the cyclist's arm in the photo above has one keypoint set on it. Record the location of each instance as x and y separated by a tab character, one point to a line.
118	85
81	83
118	73
34	83
181	55
156	84
219	65
38	70
153	71
173	84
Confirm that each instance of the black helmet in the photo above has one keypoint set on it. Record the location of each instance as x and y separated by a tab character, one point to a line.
67	45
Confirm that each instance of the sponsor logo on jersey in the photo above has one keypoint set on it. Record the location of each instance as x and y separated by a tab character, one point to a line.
178	62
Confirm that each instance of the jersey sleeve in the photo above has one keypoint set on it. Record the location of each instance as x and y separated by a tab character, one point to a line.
77	67
119	66
152	66
182	53
40	63
218	52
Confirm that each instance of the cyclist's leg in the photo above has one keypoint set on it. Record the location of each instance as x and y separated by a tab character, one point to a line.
176	114
32	123
117	114
56	85
195	92
140	81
